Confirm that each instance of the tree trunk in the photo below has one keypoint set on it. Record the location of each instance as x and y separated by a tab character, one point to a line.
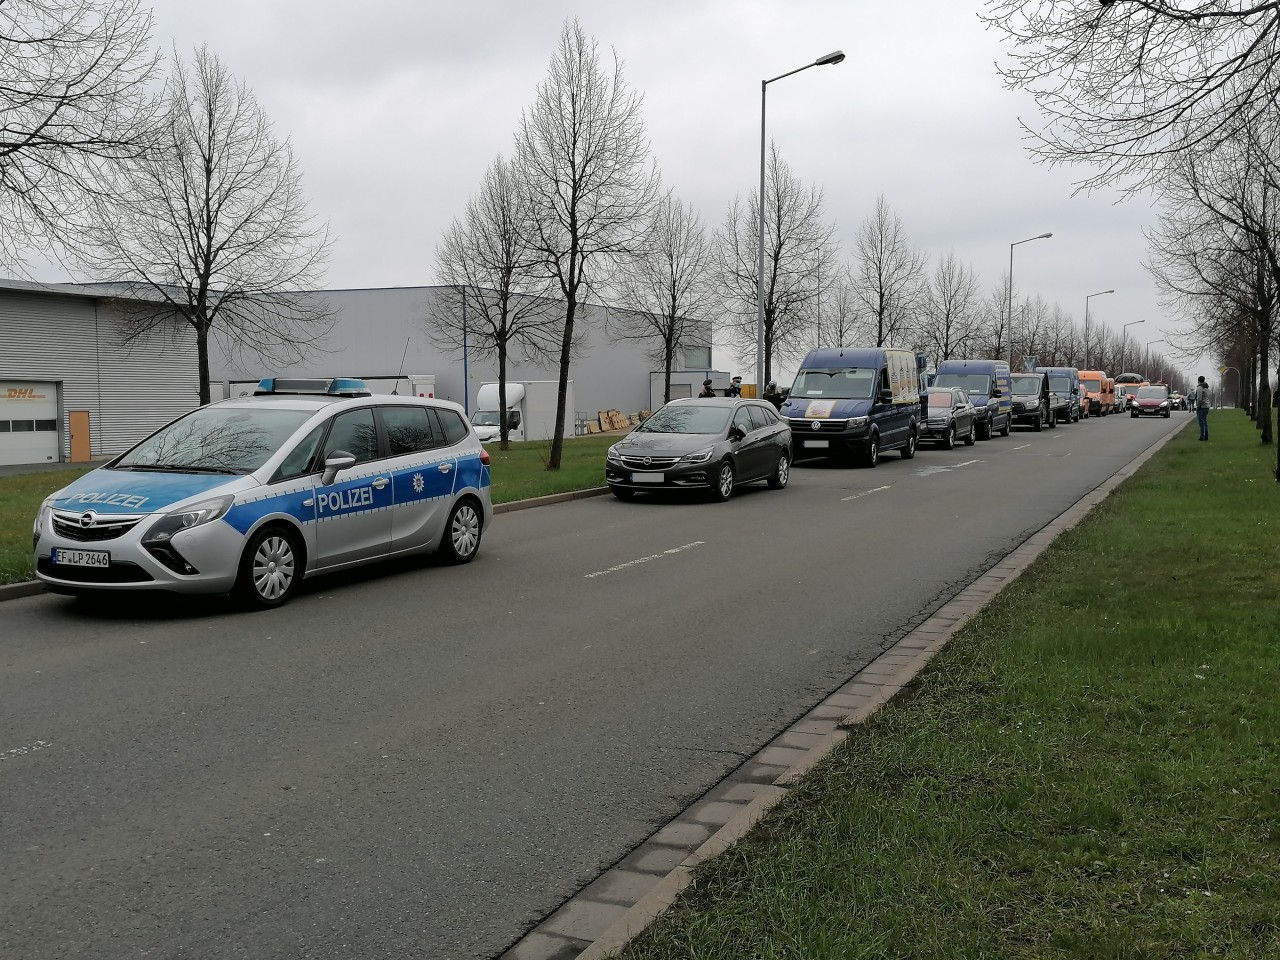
566	349
504	434
202	354
1264	385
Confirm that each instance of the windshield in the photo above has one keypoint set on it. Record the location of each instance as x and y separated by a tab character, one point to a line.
1093	386
687	418
216	440
1026	385
1060	384
835	383
489	418
1152	393
942	399
969	382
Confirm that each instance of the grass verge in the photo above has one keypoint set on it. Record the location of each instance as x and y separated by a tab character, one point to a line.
517	474
1091	769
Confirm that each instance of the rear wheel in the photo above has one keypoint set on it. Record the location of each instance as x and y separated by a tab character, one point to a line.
781	473
1004	431
909	450
1053	420
271	568
723	488
971	437
462	533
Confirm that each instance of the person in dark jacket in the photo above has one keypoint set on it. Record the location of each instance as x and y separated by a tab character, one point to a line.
706	389
773	394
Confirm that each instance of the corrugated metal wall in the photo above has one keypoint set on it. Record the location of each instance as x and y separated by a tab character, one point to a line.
129	388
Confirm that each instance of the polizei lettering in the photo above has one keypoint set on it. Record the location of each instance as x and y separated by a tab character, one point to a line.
341	500
114	499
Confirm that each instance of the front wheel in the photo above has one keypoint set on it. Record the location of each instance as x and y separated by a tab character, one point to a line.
872	456
1004	431
271	568
949	438
462	534
909	450
723	488
781	473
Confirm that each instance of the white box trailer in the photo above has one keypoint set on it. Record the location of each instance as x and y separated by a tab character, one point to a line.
531	410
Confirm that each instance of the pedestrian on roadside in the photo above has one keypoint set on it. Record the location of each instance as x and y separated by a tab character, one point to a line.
706	389
1200	396
773	394
735	388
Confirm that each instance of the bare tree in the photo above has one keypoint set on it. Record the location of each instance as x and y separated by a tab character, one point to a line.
798	247
73	76
951	309
842	323
497	298
887	272
667	287
582	153
1124	83
213	227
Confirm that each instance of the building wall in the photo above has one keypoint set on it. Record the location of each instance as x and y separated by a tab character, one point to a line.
375	329
76	343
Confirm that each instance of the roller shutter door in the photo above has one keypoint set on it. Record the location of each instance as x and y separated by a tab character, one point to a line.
28	422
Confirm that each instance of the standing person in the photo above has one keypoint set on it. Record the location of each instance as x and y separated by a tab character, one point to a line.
1200	397
773	394
706	389
735	388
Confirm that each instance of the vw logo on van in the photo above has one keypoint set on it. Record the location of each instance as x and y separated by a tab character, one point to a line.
816	425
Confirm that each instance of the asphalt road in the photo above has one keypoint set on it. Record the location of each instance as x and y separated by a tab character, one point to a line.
422	761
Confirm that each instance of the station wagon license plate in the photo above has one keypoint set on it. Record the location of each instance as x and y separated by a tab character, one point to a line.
816	443
80	558
646	478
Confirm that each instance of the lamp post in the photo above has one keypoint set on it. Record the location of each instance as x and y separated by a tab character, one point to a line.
1086	323
1043	236
1146	355
1123	330
1222	374
830	58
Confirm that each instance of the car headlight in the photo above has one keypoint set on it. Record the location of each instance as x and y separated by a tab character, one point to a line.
613	454
1164	404
698	456
193	516
43	512
858	421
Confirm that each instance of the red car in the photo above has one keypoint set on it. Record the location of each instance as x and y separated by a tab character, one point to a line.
1150	402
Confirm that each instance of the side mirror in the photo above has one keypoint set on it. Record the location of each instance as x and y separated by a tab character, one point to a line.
996	392
736	433
336	462
886	395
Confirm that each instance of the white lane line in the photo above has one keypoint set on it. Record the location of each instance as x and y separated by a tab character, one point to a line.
864	493
967	463
23	751
1023	447
652	556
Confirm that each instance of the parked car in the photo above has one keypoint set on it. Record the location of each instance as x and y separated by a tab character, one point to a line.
951	417
712	444
987	384
1151	401
253	494
1031	400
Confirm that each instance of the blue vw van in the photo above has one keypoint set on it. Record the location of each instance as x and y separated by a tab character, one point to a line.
855	401
988	385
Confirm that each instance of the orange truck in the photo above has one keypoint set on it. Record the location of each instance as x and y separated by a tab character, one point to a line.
1091	392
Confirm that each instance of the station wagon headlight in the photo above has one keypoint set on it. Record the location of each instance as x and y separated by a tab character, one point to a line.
698	456
613	454
193	516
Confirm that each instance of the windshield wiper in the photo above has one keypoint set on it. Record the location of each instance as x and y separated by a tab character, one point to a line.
181	468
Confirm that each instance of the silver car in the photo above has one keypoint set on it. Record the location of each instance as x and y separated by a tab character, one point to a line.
254	494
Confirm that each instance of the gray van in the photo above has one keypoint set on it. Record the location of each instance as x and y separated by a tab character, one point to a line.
1032	402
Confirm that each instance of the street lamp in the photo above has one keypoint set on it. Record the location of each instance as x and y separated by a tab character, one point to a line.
1086	323
830	58
1222	375
1146	355
1043	236
1123	330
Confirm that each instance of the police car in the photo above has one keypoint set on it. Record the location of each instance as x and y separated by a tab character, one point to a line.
254	494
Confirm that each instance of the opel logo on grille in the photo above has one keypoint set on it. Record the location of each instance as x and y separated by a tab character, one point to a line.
88	519
648	461
816	425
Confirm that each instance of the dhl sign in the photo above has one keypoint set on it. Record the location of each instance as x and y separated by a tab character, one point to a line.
23	393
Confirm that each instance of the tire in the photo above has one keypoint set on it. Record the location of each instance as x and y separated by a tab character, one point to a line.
909	450
1004	431
622	493
983	430
271	568
872	456
461	540
1077	416
723	488
1133	416
1053	420
1037	424
1166	414
972	436
781	473
949	438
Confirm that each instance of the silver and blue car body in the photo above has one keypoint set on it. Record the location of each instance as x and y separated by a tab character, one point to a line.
252	495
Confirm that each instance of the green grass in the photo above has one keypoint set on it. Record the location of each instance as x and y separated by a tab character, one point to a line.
517	474
1091	769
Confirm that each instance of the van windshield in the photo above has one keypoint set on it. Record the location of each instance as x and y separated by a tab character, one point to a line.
1093	386
1060	384
835	383
1027	385
969	382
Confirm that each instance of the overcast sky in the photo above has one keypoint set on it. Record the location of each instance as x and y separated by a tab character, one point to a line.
395	107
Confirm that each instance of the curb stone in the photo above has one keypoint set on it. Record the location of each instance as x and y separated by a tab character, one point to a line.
29	588
587	926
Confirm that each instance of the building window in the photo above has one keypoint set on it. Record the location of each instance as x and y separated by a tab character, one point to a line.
697	358
23	426
46	426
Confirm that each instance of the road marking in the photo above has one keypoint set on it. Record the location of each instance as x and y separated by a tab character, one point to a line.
23	751
652	556
930	471
968	463
864	493
1023	447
